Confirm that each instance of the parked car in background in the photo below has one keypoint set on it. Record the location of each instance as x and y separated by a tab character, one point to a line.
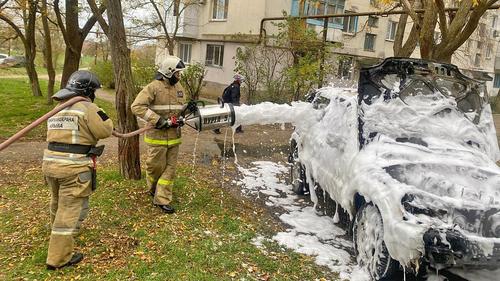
407	163
13	61
3	57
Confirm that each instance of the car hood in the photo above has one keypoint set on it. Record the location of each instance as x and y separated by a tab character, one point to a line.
458	174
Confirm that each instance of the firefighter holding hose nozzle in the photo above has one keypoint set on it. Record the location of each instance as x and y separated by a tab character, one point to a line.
69	164
159	104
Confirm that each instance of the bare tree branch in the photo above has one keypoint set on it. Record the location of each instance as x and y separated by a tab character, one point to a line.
443	26
162	21
98	14
459	19
409	8
93	19
468	28
14	26
3	3
60	22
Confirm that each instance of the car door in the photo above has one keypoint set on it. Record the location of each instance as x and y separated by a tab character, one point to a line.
334	139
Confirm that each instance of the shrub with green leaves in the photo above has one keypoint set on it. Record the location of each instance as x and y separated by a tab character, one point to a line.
192	79
104	71
142	72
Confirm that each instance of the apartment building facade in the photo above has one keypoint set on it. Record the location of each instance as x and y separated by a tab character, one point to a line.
211	32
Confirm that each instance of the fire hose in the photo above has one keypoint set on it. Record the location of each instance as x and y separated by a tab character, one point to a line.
199	118
54	111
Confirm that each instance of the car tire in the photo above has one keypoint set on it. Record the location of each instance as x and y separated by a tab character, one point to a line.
368	236
297	173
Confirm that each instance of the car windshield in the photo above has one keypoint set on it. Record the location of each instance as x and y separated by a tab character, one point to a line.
419	93
423	84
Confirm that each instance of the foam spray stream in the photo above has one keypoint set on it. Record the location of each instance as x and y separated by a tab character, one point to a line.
224	165
194	149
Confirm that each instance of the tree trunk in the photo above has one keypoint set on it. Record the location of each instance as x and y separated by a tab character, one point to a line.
72	57
429	22
73	36
32	74
47	52
128	149
30	49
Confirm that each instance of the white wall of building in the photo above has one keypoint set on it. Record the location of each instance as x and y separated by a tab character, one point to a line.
199	28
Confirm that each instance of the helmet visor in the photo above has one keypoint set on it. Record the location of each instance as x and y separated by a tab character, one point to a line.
64	94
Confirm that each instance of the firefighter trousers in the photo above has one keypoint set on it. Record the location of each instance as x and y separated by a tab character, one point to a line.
68	208
161	163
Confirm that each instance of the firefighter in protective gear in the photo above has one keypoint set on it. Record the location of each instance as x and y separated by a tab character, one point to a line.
69	164
158	104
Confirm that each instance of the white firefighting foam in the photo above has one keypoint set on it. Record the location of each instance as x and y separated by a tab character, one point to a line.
458	156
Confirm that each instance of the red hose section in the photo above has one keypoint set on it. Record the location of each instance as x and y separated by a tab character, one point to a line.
51	113
134	133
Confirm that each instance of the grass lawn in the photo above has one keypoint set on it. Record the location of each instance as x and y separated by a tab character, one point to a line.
21	108
125	237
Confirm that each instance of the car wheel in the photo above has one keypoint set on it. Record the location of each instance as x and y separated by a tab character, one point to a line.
297	173
368	236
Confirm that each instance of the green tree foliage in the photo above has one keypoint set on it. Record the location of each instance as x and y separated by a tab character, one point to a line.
104	71
192	79
142	70
289	68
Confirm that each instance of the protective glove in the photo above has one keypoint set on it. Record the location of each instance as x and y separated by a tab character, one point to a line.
192	106
173	122
162	124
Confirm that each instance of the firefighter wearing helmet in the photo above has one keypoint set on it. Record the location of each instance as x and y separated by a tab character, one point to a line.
158	104
69	164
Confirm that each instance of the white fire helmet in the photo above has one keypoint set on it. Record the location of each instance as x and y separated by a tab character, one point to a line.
170	65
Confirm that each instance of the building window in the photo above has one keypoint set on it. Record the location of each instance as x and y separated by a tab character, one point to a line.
489	50
370	42
215	55
477	60
494	20
220	9
345	68
372	21
350	24
335	7
391	30
496	82
185	52
467	45
479	46
482	30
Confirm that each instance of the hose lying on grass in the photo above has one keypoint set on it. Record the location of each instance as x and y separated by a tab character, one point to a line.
53	112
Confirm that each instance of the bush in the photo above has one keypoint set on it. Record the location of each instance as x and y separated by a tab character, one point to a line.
104	71
192	79
142	72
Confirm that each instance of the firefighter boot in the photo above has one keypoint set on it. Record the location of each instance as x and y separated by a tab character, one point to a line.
76	258
167	209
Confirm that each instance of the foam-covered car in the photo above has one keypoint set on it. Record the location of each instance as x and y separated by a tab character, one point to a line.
408	163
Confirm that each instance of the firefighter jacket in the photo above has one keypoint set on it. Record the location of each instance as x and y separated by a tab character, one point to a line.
83	123
160	99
